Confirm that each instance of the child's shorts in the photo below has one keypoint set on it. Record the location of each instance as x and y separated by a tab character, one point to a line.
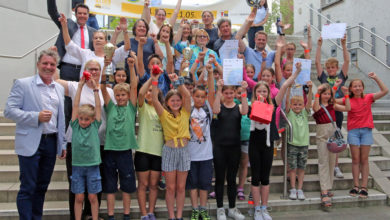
360	136
145	162
244	146
200	175
118	163
297	156
175	158
89	175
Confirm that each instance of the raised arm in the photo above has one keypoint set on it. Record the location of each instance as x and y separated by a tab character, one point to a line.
98	107
217	101
169	67
133	80
146	12
114	37
383	88
347	105
53	12
173	19
157	49
140	54
65	31
287	83
318	57
346	56
142	92
309	96
106	96
247	24
179	33
123	27
244	100
287	109
156	103
76	101
210	85
278	55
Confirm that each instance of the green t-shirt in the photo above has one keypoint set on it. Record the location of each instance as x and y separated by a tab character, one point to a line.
150	133
300	124
85	144
120	130
245	124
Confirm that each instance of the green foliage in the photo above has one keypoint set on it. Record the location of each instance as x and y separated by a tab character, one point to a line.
114	21
283	9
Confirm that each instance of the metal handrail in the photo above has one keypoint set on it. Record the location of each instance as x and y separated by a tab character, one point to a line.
32	50
289	136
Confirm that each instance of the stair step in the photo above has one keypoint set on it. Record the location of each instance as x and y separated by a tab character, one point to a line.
7	142
9	157
7	129
59	209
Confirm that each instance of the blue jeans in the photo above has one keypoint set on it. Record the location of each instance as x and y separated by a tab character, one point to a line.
35	174
251	36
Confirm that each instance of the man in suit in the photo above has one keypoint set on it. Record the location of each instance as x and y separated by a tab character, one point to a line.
82	35
36	105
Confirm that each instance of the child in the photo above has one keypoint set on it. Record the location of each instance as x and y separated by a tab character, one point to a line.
227	146
85	123
174	117
330	77
201	149
120	76
297	149
120	140
261	146
147	159
325	129
360	124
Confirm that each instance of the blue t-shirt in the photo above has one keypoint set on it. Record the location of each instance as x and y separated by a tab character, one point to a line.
325	78
254	57
260	15
163	81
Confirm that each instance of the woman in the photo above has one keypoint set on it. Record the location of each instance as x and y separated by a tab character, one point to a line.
87	97
258	24
99	40
208	19
186	39
165	34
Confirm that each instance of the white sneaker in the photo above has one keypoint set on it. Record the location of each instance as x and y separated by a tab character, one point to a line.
258	215
236	214
300	194
266	215
293	194
338	173
221	214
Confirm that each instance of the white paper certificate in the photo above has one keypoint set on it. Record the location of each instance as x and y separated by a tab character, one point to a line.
333	31
304	75
229	50
232	71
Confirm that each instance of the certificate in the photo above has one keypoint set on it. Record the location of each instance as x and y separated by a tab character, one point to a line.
232	72
229	50
155	3
333	31
304	75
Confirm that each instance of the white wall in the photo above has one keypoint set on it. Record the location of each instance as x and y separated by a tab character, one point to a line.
24	24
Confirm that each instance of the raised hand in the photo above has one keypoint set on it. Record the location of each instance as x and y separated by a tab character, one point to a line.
338	82
372	75
298	66
209	67
345	90
154	37
220	84
304	45
123	24
142	41
173	77
63	20
344	40
279	43
309	84
244	85
117	29
319	42
130	61
147	3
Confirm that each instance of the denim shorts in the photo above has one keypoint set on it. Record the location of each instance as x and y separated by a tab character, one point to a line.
89	175
360	136
118	163
200	175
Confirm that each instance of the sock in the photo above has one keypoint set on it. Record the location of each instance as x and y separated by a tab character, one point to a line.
257	208
263	207
195	208
202	208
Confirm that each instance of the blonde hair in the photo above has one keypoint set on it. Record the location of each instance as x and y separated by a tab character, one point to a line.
297	98
331	61
201	31
92	61
265	84
122	87
87	109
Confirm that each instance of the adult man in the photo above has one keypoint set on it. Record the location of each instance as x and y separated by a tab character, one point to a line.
254	56
36	105
82	35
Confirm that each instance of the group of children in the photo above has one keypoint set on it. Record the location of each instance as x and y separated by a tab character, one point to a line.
187	129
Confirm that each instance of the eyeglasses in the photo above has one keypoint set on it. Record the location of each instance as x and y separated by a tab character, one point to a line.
201	36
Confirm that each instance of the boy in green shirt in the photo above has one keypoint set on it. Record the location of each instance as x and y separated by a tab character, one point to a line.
120	139
85	123
297	114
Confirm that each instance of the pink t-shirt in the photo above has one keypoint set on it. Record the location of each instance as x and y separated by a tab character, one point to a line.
360	115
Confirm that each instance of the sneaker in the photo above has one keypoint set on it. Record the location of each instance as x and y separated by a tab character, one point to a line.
240	194
266	215
258	215
293	194
236	214
300	195
211	195
195	214
151	216
221	214
204	215
146	217
338	173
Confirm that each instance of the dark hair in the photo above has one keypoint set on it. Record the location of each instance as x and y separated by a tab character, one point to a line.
154	56
136	24
81	5
188	80
223	20
327	87
265	5
170	32
272	71
200	88
350	86
122	69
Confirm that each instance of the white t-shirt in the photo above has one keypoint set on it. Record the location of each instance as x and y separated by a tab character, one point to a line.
87	97
86	54
153	29
164	51
201	150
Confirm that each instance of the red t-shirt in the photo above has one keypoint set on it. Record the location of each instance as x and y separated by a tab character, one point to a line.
360	115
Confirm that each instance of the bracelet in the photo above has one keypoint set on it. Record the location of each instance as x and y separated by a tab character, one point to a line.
196	61
317	95
96	90
216	64
154	83
306	51
346	96
178	82
335	88
243	95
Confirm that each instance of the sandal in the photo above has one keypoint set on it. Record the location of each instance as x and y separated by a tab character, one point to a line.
326	201
330	194
363	193
240	194
354	191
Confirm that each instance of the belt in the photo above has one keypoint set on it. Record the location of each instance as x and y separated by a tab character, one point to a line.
49	135
72	65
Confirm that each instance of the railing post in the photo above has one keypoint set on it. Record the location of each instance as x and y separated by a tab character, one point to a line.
328	17
373	42
319	20
361	35
388	51
311	14
349	37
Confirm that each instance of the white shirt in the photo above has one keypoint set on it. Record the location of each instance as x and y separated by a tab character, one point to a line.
153	29
260	126
50	101
88	97
68	58
85	55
